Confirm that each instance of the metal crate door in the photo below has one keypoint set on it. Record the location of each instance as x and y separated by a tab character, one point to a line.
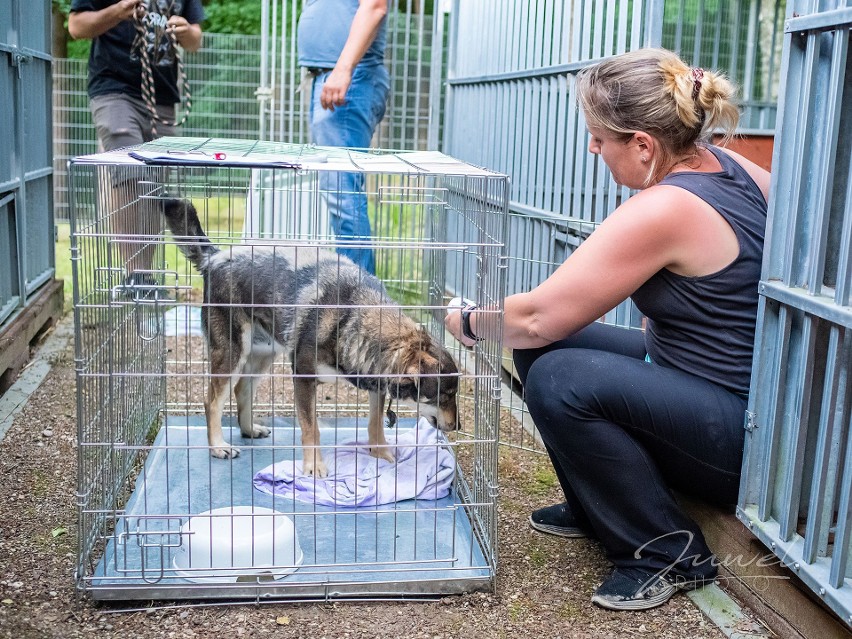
797	470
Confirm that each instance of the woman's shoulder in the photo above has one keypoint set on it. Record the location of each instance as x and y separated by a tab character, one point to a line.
660	201
660	214
757	173
668	210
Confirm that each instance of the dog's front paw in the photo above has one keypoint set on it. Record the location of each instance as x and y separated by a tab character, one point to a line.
225	452
382	452
256	431
316	468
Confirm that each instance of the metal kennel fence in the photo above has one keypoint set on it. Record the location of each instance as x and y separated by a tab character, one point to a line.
159	517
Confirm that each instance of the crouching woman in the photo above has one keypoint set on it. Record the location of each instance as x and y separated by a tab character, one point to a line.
625	414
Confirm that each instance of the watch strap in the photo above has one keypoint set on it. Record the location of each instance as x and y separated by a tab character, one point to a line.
467	331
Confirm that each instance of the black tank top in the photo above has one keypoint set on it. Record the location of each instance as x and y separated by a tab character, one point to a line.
705	325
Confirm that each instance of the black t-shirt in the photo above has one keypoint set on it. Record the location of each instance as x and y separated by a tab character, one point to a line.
115	64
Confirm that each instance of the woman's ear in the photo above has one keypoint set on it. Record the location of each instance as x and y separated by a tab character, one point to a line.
645	144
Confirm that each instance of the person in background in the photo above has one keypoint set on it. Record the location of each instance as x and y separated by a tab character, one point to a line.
127	36
627	414
341	44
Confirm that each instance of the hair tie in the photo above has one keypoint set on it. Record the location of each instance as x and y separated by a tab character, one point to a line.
697	76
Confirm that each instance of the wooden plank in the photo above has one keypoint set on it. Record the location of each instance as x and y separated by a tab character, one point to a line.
751	573
42	311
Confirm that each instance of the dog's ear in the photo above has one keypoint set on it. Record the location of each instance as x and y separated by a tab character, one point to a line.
424	340
424	372
444	362
404	387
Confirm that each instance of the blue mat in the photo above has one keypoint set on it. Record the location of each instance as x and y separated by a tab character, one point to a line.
410	547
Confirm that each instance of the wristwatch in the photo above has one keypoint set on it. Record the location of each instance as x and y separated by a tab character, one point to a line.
465	322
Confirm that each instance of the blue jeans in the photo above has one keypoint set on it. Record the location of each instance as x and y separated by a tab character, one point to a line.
351	125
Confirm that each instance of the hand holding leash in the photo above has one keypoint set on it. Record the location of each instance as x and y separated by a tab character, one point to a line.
126	9
178	25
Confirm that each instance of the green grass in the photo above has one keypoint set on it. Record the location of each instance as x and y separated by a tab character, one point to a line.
546	478
63	261
402	270
538	557
220	217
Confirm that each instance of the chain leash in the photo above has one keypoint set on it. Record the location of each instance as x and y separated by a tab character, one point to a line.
148	90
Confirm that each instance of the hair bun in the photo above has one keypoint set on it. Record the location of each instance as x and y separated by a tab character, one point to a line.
654	91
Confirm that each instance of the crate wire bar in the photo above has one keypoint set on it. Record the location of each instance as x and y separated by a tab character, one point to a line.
146	476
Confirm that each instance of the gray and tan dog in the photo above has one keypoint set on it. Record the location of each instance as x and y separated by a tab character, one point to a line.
328	315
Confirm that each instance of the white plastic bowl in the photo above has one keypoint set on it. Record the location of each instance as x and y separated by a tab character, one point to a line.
240	543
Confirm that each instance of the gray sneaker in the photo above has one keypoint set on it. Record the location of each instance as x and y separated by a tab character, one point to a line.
635	589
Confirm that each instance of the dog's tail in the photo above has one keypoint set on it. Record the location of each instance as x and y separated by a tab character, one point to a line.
182	220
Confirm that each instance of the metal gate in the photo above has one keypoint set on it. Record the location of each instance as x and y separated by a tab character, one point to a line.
26	182
510	105
797	474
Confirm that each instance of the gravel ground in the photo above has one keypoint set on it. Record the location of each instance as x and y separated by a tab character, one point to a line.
544	582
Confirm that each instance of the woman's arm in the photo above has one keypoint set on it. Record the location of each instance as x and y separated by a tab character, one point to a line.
650	231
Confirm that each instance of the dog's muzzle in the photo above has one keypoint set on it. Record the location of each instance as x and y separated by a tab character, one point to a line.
447	420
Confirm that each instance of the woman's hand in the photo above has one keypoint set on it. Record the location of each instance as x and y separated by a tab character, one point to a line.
453	323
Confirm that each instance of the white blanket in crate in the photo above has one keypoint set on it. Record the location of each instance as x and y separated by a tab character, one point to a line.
424	469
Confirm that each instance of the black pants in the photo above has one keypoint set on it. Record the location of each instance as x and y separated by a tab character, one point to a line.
620	431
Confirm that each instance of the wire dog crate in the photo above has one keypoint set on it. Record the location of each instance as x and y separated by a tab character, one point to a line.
160	515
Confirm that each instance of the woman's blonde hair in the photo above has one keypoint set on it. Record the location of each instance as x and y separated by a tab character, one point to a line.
654	91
